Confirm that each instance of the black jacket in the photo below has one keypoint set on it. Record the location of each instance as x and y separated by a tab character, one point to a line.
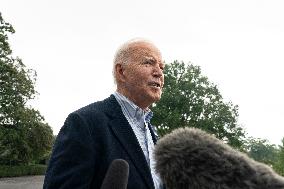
91	138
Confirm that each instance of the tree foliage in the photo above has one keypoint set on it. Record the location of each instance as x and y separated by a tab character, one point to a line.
279	163
261	150
191	100
24	136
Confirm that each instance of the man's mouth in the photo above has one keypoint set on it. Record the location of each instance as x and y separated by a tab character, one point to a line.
155	84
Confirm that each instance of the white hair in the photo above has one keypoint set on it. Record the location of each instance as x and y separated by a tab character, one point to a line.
123	53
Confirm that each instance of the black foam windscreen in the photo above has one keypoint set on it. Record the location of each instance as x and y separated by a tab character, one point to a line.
117	175
192	158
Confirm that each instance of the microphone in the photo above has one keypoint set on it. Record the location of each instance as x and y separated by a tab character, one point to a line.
192	158
117	175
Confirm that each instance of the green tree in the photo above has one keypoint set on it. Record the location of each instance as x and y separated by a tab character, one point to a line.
278	166
190	100
261	150
24	136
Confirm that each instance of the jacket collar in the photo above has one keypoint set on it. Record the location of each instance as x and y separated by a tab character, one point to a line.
126	136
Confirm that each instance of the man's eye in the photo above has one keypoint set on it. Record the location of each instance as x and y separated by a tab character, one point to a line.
147	62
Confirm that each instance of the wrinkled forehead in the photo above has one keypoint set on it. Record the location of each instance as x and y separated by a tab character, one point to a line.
144	50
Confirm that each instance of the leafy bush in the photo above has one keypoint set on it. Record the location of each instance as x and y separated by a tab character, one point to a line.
22	170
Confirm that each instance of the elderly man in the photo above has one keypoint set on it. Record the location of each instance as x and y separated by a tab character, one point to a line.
115	128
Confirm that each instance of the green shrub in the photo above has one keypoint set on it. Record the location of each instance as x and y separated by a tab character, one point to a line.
22	170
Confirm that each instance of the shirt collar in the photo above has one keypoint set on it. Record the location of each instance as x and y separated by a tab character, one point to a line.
134	111
148	116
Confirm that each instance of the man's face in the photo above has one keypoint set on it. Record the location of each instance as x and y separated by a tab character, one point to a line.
143	75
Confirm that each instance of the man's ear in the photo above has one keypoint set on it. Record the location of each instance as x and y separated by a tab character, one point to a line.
120	72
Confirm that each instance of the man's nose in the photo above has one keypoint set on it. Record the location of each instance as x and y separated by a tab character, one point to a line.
158	72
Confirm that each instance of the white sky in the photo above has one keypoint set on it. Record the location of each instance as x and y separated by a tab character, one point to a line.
238	44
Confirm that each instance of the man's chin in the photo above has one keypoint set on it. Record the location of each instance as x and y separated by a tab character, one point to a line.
152	97
156	98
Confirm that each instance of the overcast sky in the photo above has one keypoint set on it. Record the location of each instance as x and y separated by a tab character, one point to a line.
238	44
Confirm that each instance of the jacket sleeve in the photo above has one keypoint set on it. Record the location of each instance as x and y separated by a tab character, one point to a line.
72	162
